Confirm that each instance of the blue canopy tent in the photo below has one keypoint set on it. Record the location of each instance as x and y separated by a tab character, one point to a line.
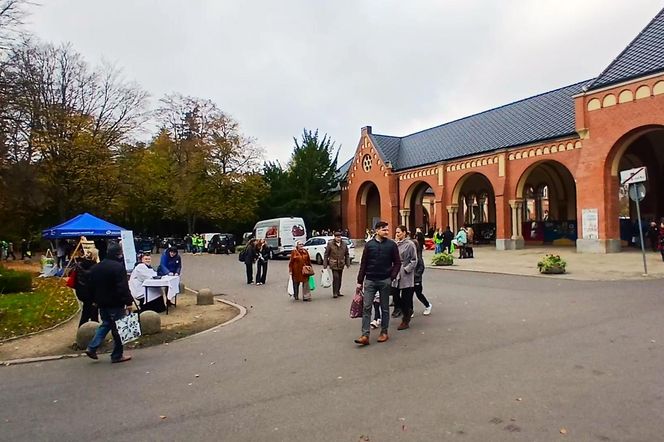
83	225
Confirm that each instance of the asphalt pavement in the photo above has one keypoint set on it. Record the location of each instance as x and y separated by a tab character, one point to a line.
501	358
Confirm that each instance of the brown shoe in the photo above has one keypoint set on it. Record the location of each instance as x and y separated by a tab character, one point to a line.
404	325
362	340
383	337
124	358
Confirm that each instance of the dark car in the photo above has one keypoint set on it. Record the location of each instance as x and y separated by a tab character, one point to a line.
172	241
222	243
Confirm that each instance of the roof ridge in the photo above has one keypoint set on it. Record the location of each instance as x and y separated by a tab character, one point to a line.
496	108
619	56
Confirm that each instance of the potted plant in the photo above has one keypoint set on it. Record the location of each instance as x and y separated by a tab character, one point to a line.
442	259
552	264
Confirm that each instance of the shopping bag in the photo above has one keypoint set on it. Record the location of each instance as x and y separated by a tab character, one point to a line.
452	248
129	328
312	283
291	289
325	280
357	304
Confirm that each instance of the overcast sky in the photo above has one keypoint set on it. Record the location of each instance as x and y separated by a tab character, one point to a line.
399	66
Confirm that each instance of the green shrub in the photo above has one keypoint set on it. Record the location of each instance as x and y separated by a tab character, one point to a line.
239	249
442	259
13	281
551	262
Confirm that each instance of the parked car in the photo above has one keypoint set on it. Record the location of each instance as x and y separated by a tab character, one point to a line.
173	241
316	247
221	243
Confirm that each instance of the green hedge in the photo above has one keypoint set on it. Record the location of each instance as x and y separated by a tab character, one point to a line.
12	281
442	259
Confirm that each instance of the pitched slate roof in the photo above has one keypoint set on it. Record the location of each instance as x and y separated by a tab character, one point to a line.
342	171
643	56
542	117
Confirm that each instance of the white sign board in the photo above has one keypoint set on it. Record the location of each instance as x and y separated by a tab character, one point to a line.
590	224
128	249
633	176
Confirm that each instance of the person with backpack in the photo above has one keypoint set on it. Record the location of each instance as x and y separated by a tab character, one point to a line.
262	257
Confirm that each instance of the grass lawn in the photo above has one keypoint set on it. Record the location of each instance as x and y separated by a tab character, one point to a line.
50	302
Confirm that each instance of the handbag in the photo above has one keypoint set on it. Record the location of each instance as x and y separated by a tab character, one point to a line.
129	328
357	304
325	280
312	283
307	270
71	279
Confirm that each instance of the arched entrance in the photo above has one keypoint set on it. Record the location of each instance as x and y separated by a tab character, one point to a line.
475	205
419	207
368	203
548	210
644	148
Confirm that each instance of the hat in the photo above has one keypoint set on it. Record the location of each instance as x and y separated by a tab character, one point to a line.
337	233
173	249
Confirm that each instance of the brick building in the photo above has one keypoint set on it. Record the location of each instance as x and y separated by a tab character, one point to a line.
541	170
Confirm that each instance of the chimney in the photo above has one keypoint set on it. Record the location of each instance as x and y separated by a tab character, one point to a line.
366	130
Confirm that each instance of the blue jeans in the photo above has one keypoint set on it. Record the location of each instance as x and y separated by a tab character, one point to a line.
108	317
439	248
383	287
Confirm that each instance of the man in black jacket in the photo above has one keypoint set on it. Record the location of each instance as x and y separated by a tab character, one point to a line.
108	285
380	266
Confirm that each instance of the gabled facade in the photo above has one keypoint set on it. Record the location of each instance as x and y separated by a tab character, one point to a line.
541	170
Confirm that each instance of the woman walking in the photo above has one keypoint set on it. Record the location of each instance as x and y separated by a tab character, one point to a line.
405	282
249	258
262	256
419	270
299	269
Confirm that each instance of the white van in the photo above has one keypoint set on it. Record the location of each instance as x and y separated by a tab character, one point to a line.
280	234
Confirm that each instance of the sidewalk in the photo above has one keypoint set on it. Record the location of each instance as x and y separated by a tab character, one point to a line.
580	266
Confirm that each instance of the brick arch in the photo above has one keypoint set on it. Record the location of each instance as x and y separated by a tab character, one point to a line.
457	218
361	199
414	188
561	183
415	213
622	144
461	181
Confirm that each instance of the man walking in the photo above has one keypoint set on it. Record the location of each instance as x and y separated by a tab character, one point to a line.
109	288
380	265
336	257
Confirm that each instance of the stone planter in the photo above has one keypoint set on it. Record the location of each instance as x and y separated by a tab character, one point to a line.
444	264
553	270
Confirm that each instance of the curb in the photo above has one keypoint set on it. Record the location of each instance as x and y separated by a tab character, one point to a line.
242	314
565	276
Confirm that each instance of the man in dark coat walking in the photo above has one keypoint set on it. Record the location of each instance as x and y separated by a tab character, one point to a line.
107	282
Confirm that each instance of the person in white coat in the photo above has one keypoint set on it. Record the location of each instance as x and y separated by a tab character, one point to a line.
141	272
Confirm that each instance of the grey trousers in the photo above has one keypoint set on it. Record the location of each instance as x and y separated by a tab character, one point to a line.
383	287
336	281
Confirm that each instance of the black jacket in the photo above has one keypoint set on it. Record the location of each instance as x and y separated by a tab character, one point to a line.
82	288
108	285
380	260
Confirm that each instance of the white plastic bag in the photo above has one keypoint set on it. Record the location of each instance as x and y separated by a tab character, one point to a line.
291	289
325	279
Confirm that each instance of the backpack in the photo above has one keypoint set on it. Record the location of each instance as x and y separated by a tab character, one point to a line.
242	256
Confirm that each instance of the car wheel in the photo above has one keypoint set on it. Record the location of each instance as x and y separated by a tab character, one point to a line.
319	259
227	252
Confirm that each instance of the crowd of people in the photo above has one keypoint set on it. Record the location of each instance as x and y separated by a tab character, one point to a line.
7	250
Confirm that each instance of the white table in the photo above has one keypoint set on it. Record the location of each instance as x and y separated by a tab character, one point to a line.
171	282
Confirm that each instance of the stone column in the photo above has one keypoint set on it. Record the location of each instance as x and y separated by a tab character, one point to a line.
452	212
405	217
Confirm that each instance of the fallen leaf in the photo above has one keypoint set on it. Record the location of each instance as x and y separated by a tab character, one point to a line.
519	399
197	375
162	417
563	431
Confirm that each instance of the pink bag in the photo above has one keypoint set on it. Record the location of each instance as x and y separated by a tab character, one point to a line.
357	305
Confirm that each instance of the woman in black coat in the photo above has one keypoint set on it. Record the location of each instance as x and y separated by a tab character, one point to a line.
89	311
262	256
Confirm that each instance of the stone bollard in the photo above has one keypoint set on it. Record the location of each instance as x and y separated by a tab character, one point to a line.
85	333
150	322
204	297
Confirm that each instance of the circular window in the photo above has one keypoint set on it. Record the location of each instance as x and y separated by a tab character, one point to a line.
366	163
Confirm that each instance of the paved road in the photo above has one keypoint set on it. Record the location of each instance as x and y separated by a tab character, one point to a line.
500	358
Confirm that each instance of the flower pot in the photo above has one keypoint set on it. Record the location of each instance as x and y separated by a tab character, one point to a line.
553	270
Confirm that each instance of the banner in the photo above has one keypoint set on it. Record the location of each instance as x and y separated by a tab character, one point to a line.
128	249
